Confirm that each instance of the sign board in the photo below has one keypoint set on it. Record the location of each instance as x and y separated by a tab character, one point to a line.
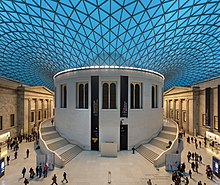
2	167
172	161
216	166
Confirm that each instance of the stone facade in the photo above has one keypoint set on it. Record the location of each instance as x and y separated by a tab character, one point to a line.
187	106
26	105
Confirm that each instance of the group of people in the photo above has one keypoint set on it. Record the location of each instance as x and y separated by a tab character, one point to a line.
209	172
194	140
54	178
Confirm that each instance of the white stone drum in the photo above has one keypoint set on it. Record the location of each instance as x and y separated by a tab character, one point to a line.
100	104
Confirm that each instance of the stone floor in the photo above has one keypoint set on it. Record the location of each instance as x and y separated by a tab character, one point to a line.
88	168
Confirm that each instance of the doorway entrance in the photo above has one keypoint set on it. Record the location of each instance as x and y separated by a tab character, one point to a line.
123	137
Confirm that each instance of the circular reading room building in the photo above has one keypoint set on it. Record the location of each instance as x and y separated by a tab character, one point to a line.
99	104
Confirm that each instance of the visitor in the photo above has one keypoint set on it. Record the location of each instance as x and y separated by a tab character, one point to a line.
54	179
27	152
149	182
64	177
133	150
26	181
23	172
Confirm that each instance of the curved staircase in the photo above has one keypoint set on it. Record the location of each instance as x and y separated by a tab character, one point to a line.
59	145
158	145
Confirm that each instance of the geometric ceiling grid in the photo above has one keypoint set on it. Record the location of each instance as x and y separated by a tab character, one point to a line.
179	39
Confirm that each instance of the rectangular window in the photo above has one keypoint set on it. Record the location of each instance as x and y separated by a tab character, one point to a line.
39	115
177	115
109	95
162	98
82	92
184	116
1	119
216	122
12	119
32	116
203	119
53	112
63	96
154	96
136	95
171	113
45	114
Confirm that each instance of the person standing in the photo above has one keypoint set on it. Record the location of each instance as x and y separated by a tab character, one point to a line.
46	170
133	150
27	152
16	154
54	179
23	172
149	182
187	181
8	159
40	170
64	177
200	144
190	174
197	166
26	181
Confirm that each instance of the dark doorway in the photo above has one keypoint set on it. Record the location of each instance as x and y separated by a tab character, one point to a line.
123	137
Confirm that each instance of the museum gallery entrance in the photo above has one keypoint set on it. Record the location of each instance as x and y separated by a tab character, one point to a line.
123	137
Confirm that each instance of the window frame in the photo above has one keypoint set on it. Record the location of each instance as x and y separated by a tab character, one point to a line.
154	96
85	95
215	120
1	122
109	96
12	120
63	96
133	95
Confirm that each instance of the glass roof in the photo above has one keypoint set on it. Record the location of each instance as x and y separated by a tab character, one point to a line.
179	39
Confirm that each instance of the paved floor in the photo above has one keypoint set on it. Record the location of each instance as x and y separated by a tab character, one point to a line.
88	168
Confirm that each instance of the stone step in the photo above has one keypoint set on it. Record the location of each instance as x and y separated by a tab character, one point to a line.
49	132
50	136
160	144
70	154
147	153
47	129
54	140
63	149
154	148
58	144
167	135
170	129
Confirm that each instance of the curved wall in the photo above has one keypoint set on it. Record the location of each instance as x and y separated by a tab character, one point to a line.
75	124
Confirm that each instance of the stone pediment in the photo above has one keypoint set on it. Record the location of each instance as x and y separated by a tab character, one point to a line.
174	90
39	89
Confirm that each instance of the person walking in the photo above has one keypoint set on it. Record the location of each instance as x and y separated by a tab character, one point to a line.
200	144
23	172
149	182
8	159
190	174
133	150
26	181
46	170
54	179
27	152
187	181
64	177
197	166
16	154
